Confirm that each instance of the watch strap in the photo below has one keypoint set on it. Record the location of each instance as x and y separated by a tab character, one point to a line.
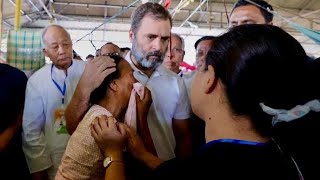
108	160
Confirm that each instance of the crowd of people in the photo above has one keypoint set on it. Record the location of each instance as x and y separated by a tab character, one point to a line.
249	111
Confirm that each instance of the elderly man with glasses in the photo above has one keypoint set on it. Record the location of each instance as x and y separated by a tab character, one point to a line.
175	54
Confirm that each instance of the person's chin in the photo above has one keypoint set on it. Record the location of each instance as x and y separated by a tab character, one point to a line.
66	59
168	64
152	66
154	58
199	66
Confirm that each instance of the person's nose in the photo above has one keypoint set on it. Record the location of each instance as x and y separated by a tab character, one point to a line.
200	60
156	45
61	49
168	53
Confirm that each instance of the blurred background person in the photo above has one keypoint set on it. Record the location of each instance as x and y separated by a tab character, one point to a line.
76	56
124	51
174	55
89	57
13	164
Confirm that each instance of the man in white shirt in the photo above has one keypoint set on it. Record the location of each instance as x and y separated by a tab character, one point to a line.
48	91
169	113
175	54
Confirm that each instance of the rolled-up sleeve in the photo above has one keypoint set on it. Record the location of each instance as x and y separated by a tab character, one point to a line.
33	140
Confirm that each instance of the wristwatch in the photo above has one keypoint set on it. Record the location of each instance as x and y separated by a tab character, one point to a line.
108	160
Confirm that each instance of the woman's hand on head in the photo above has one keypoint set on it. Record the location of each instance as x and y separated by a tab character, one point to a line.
109	134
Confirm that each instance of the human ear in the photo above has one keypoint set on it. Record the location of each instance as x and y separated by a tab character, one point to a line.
114	85
131	35
211	80
45	52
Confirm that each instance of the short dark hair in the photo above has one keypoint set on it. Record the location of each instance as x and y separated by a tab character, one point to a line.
75	54
204	38
267	15
125	49
110	43
155	10
12	94
90	56
98	52
99	93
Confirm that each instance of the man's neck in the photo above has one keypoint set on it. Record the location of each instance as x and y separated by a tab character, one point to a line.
177	71
64	68
146	71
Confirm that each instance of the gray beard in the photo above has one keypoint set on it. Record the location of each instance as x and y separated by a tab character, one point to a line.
143	61
148	64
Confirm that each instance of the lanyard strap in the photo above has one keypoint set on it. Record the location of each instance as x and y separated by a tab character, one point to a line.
236	141
62	90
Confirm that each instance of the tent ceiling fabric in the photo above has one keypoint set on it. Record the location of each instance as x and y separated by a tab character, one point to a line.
87	14
211	14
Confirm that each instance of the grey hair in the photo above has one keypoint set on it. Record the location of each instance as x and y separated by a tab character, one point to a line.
44	32
180	39
155	10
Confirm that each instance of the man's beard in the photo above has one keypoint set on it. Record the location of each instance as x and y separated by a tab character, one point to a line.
143	59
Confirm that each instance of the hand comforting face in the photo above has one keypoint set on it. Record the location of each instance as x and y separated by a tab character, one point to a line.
112	137
109	134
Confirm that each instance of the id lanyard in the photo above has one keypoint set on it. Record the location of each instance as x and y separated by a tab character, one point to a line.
61	89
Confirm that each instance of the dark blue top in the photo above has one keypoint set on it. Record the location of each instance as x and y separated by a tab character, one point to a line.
231	159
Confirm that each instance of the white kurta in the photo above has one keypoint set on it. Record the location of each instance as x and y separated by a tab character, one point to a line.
42	144
169	100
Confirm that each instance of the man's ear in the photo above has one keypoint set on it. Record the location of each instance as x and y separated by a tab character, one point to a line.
45	52
211	80
131	35
114	85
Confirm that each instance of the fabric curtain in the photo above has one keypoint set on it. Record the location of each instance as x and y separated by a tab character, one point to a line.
24	50
314	35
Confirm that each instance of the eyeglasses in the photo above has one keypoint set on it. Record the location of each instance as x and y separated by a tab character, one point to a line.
177	51
111	54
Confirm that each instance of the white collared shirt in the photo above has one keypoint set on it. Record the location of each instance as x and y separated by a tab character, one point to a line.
42	146
169	100
188	78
